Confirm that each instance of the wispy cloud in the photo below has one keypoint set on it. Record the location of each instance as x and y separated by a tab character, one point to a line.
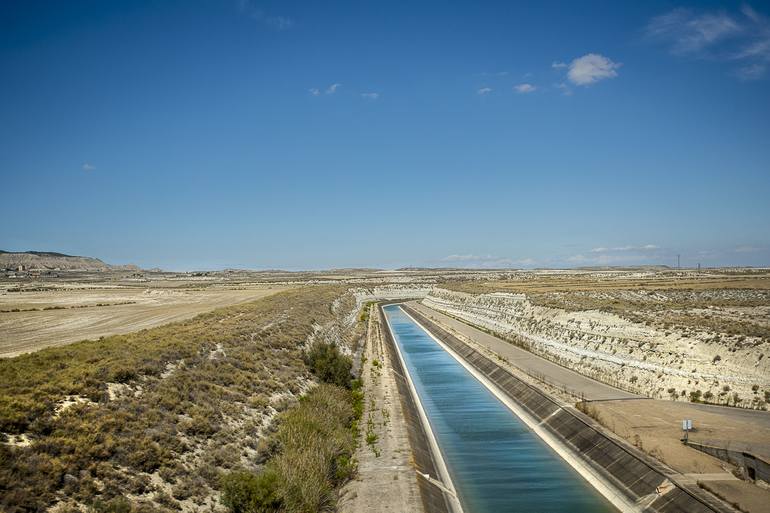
87	166
248	8
564	88
484	91
748	249
591	68
314	91
646	247
621	255
691	32
742	37
558	65
333	88
524	88
370	96
486	261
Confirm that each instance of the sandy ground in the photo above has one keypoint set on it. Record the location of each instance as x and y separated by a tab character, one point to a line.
61	316
386	480
658	424
655	427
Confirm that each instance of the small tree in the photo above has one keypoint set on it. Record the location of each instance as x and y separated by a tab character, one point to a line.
331	366
695	396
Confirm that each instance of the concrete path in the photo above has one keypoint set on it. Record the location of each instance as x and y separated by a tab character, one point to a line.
387	479
528	362
721	476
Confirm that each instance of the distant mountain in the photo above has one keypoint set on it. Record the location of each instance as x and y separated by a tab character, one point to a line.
47	260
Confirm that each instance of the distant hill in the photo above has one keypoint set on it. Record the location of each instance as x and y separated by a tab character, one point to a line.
47	260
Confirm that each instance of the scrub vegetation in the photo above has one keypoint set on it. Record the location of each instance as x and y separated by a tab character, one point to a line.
152	421
312	449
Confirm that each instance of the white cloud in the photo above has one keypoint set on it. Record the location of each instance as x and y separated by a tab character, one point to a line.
370	96
565	89
615	259
742	37
333	88
751	72
558	65
87	166
591	68
525	88
484	91
747	249
690	32
486	261
646	247
314	91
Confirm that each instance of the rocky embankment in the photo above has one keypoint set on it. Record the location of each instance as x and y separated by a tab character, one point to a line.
663	363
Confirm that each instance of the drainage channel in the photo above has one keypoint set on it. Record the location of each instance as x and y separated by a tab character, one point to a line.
496	463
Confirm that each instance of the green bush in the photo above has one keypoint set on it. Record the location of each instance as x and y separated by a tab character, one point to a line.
246	492
331	366
315	456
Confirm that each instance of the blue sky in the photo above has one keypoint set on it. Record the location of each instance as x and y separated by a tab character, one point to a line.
207	134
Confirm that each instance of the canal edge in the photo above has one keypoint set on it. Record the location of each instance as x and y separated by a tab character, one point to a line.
445	483
598	482
667	488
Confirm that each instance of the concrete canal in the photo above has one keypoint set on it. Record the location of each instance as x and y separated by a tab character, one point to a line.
496	463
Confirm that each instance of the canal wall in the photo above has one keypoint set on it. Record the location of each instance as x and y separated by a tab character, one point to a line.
754	467
629	478
427	459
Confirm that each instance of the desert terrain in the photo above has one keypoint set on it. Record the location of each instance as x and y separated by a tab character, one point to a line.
40	314
202	370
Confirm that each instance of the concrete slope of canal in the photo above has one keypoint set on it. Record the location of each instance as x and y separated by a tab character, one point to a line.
496	463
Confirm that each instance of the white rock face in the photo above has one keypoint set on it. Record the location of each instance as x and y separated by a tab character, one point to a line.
618	351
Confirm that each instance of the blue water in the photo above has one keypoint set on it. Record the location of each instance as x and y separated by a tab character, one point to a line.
497	464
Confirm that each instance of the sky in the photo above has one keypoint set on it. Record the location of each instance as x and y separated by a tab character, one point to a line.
206	134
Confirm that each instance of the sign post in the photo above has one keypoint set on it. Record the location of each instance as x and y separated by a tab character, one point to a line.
686	427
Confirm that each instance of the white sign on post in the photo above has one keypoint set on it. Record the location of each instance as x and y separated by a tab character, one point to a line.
687	425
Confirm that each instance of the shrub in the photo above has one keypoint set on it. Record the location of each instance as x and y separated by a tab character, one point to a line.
331	366
316	445
117	505
111	442
246	492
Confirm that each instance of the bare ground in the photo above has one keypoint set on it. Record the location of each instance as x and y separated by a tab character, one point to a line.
59	316
656	428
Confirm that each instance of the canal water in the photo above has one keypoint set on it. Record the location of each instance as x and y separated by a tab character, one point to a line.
497	464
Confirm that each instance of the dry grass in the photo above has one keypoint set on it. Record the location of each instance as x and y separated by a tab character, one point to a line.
594	282
198	393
